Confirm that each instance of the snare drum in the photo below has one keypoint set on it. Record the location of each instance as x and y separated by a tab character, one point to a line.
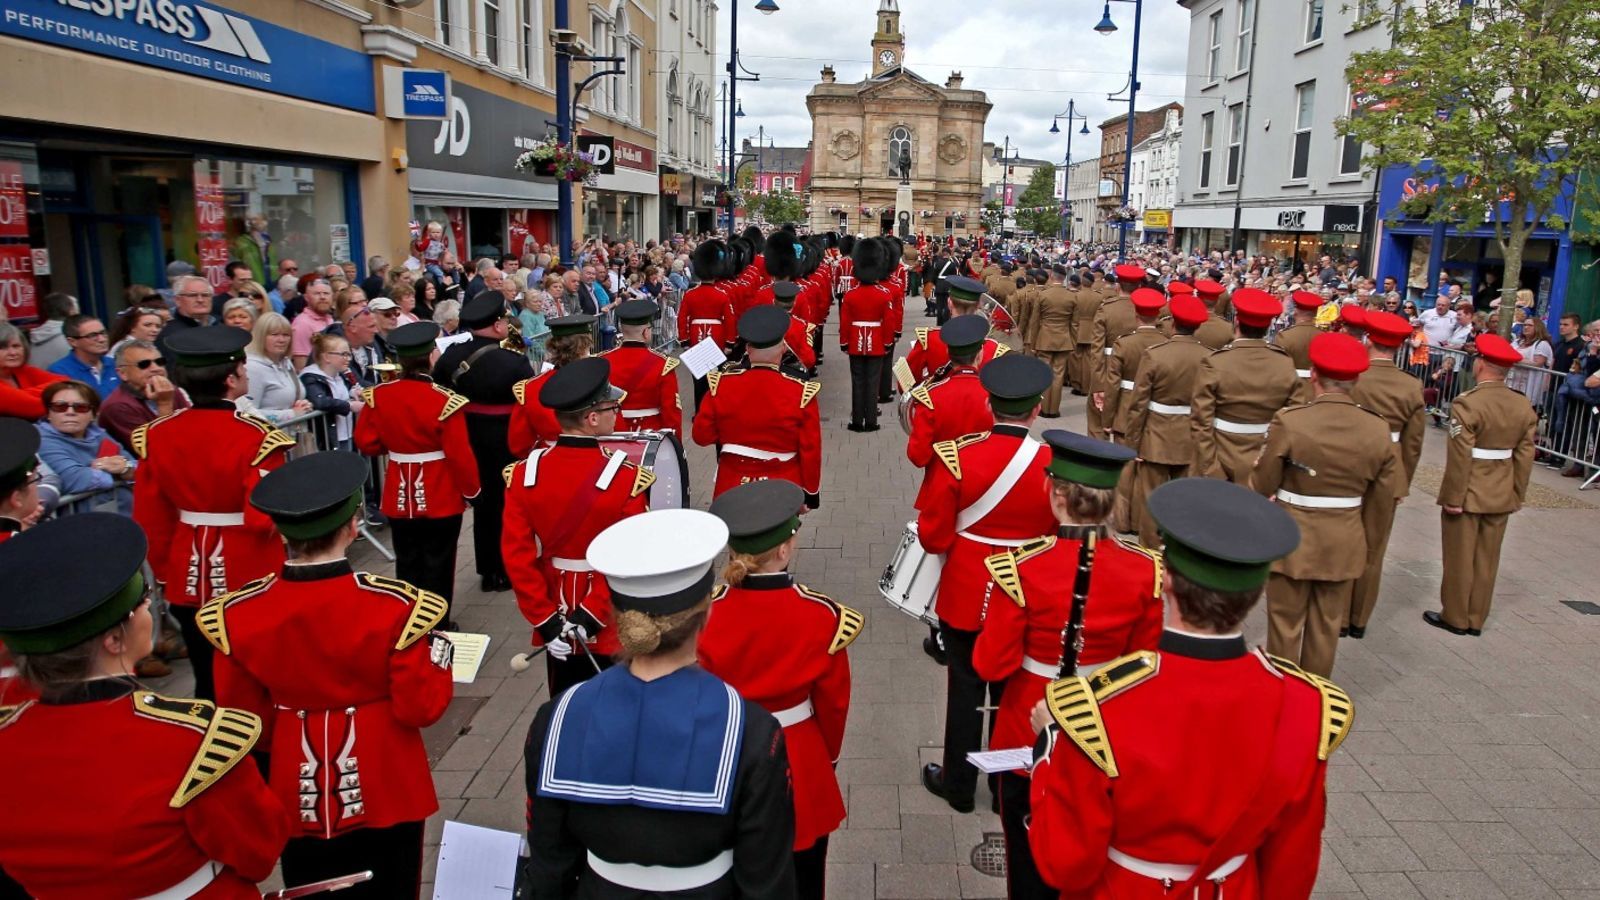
911	580
660	452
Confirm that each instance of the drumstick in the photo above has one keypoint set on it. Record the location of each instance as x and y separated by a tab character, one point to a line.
522	661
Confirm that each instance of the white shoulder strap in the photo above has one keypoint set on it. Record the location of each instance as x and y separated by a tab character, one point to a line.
530	472
1027	449
610	471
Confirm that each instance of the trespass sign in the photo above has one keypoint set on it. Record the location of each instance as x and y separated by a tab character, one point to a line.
200	39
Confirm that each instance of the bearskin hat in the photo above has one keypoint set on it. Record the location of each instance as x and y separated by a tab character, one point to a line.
847	244
874	260
713	261
784	253
753	234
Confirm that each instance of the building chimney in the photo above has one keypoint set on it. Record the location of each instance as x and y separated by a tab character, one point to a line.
954	81
827	75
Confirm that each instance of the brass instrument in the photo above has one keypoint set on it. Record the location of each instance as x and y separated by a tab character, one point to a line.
387	371
513	340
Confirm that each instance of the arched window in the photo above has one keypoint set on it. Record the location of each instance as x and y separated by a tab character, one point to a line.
672	110
899	149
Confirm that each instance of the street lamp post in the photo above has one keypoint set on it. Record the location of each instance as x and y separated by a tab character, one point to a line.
1071	115
765	7
1107	26
1005	183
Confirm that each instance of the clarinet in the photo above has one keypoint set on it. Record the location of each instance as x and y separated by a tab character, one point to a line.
1072	636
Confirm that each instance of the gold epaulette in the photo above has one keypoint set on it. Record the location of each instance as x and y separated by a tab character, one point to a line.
922	335
369	396
229	738
719	592
1000	350
426	614
642	479
9	714
1122	673
949	451
1073	707
671	363
453	402
1003	571
140	438
1155	557
921	395
506	473
520	391
809	392
711	381
1338	713
274	441
850	625
209	617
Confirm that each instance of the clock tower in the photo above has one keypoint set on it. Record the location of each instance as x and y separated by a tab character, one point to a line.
888	44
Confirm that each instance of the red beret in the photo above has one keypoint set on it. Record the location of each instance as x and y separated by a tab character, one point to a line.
1352	315
1387	329
1206	288
1496	349
1307	300
1253	306
1148	301
1128	274
1338	356
1187	310
1178	287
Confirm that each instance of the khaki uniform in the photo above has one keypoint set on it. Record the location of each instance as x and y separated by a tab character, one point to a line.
1024	308
1053	338
1122	367
1112	320
1487	465
1396	396
1296	341
1330	464
1215	332
1158	422
1078	371
1002	287
1237	391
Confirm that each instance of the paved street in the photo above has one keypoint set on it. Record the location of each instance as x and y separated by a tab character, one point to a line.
1473	772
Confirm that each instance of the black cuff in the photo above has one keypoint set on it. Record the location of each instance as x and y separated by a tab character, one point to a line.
551	628
586	620
1041	745
814	499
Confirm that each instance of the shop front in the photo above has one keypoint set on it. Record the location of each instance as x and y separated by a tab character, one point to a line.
624	203
192	145
686	203
1298	234
463	176
1155	226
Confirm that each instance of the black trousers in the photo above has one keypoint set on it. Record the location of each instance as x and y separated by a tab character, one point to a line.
575	669
488	437
886	377
1022	876
811	871
965	692
941	312
425	553
816	340
865	371
200	651
394	854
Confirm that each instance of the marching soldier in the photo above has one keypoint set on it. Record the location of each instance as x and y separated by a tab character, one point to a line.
1239	389
645	375
928	353
763	422
103	772
1127	352
1296	339
895	320
486	374
1083	311
1112	319
532	423
1397	396
197	469
558	499
1052	337
986	495
704	775
1114	601
782	645
704	313
1196	770
799	340
348	669
864	329
1158	411
1024	305
816	299
1332	465
952	403
1487	466
1216	331
431	471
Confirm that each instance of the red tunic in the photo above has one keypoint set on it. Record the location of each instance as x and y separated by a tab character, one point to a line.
532	423
109	806
765	424
413	417
200	464
895	320
647	376
705	313
557	500
929	354
798	341
817	296
952	407
845	276
346	669
967	469
1188	743
1027	615
782	645
866	320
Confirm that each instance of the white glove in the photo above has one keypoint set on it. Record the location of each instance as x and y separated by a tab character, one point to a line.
578	630
558	648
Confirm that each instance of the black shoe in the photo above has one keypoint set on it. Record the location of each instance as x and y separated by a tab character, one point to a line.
1474	632
376	518
1437	621
933	780
935	651
1358	631
495	583
1344	632
855	426
1078	393
873	427
885	400
1054	415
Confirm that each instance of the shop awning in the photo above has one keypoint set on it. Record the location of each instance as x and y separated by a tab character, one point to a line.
482	191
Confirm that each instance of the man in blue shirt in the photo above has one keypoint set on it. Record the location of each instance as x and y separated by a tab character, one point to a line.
88	362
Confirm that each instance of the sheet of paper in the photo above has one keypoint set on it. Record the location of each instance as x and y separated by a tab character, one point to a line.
903	376
476	863
471	649
444	343
991	761
703	357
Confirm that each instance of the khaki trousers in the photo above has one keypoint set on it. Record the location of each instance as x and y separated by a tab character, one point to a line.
1076	375
1147	476
1471	564
1364	596
1303	620
1058	365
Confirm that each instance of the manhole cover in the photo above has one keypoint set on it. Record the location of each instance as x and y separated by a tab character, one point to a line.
989	857
1584	606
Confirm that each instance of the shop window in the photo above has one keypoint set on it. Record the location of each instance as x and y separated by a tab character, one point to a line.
1235	143
1313	21
261	215
1241	42
1305	108
1208	125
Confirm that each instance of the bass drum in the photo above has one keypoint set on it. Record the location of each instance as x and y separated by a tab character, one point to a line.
660	452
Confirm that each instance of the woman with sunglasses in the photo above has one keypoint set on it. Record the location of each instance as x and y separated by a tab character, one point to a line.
20	384
87	458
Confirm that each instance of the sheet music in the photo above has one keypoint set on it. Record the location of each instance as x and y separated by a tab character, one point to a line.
470	652
476	863
444	343
1016	759
703	357
903	376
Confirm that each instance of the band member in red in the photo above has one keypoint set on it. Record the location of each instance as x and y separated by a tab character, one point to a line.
431	472
897	314
705	313
928	354
115	791
782	645
987	494
558	499
532	423
797	341
646	376
865	333
198	467
953	402
1196	770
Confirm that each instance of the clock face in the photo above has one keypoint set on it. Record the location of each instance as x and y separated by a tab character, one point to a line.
886	57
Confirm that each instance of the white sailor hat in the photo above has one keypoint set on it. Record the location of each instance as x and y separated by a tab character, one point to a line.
659	562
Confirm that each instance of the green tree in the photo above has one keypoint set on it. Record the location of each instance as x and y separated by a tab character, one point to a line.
1493	100
1038	209
783	207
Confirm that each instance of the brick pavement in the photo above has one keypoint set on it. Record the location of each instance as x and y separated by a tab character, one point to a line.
1473	771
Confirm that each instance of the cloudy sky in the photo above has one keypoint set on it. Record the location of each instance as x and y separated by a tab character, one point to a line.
1031	57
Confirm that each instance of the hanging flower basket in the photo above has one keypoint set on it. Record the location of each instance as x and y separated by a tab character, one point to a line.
552	159
1123	214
